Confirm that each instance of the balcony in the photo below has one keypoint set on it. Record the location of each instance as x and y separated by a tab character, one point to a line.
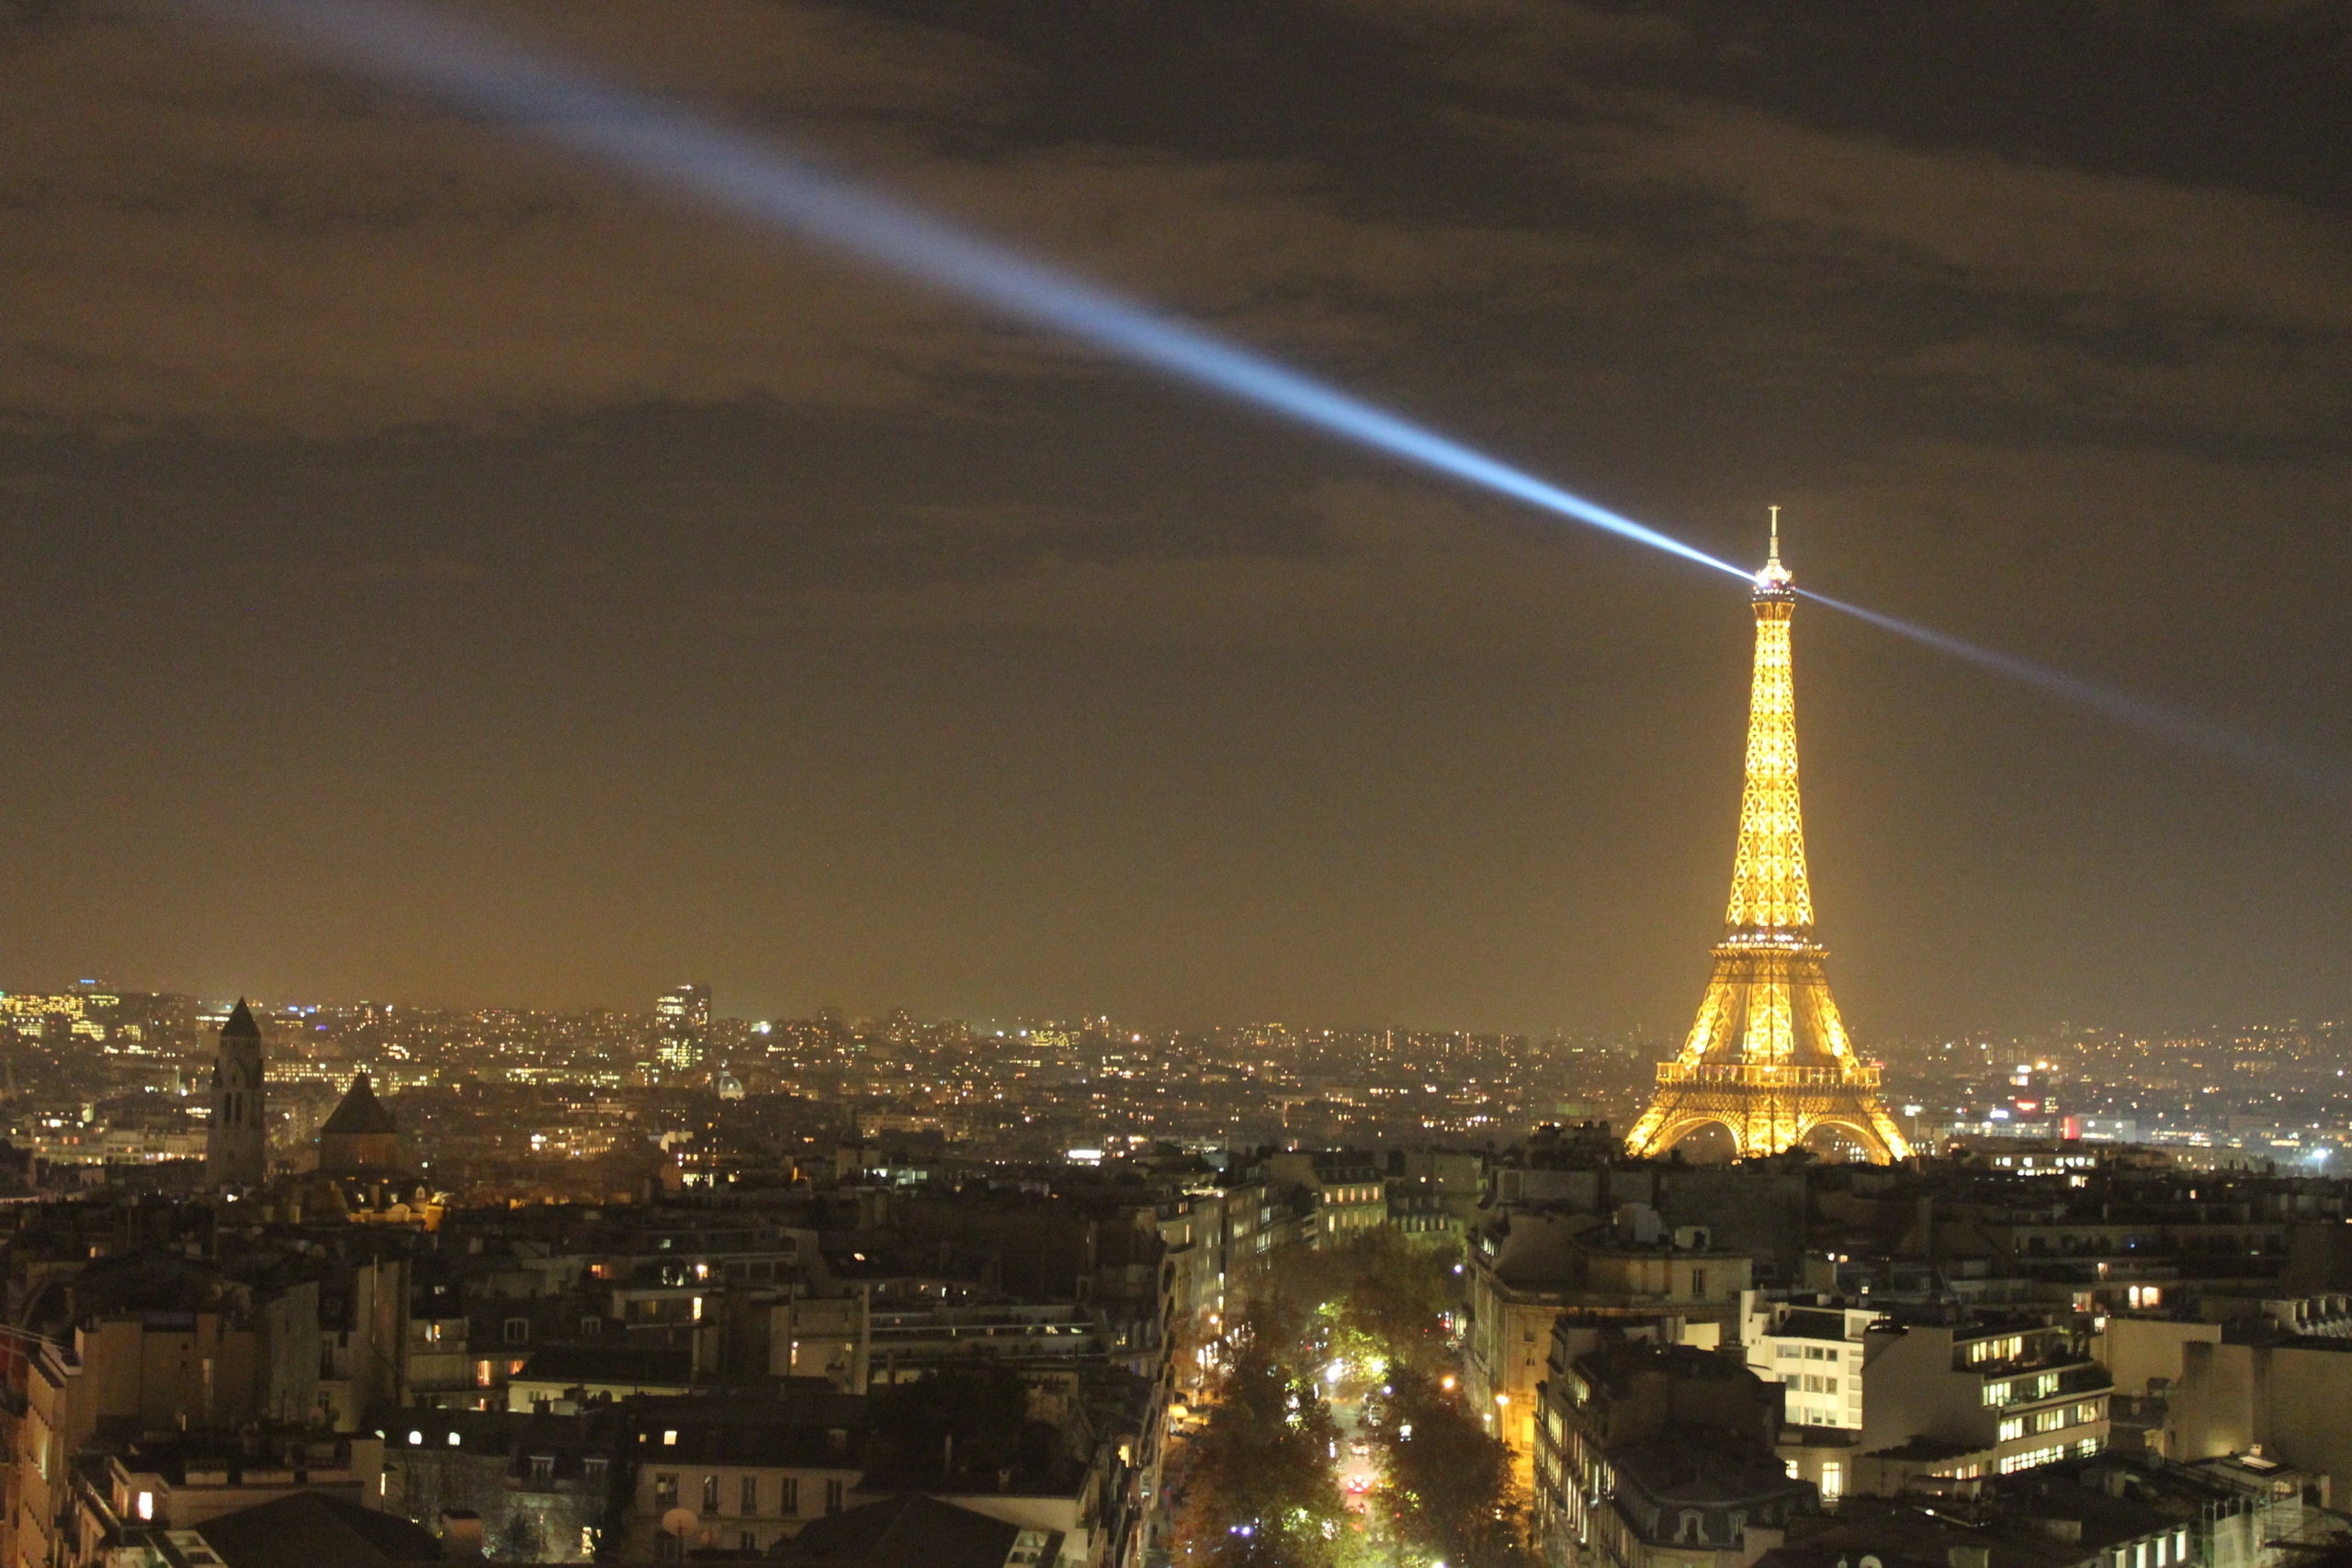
2012	1389
1759	1075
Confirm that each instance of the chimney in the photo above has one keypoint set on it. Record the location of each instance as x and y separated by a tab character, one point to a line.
461	1535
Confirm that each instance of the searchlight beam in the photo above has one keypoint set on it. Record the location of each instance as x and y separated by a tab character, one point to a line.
413	47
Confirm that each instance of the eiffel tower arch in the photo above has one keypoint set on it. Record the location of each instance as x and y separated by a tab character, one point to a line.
1768	1059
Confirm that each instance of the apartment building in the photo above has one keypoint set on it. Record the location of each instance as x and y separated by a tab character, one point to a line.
2005	1397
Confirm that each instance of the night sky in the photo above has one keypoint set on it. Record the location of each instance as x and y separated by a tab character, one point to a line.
435	570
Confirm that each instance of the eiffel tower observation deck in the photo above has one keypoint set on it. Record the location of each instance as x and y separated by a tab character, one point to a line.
1768	1059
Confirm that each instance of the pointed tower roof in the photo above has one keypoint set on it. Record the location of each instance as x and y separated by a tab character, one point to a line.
241	1024
360	1111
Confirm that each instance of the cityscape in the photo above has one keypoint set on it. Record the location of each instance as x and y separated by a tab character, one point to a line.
944	784
516	1100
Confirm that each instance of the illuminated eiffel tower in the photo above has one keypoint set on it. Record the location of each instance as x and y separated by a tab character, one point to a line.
1769	1058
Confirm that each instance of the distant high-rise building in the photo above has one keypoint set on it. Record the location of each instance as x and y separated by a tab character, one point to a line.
236	1140
1768	1059
680	1018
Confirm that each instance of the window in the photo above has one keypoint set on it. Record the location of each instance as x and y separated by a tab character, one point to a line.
481	1374
748	1541
834	1495
592	1470
2087	1412
787	1502
750	1496
146	1505
1698	1284
1996	1393
2012	1427
590	1327
2050	1420
711	1493
2051	1455
543	1467
665	1491
518	1330
1833	1482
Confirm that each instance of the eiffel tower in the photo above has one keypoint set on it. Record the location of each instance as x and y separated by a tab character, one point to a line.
1768	1059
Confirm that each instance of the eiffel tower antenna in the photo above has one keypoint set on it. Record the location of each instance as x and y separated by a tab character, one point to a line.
1768	1059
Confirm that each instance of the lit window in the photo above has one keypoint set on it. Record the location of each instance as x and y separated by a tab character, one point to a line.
146	1505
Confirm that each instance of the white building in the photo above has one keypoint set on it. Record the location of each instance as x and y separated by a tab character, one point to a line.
1814	1352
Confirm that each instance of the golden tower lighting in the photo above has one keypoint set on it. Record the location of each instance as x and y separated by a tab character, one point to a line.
1768	1059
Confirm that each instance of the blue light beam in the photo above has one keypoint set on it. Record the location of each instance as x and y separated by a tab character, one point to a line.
412	48
2237	746
409	46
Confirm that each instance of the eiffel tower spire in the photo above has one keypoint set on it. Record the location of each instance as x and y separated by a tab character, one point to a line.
1769	1058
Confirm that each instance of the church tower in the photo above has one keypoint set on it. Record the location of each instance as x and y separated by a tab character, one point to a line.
236	1140
1768	1059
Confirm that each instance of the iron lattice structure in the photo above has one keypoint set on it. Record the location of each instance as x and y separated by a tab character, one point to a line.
1769	1058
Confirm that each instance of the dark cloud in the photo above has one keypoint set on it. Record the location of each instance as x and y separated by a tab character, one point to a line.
602	592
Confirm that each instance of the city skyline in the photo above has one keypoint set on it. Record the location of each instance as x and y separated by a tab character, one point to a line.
947	783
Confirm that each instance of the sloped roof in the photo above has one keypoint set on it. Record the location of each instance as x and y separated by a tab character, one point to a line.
360	1111
241	1024
307	1529
903	1532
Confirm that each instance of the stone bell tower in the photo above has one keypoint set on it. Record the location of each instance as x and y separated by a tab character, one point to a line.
236	1140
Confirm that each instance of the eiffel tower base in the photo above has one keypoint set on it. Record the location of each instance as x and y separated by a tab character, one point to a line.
1767	1121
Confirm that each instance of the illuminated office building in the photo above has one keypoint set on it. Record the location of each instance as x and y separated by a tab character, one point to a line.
682	1017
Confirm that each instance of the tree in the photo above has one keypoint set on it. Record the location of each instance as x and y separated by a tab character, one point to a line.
1448	1487
1380	1295
1256	1484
